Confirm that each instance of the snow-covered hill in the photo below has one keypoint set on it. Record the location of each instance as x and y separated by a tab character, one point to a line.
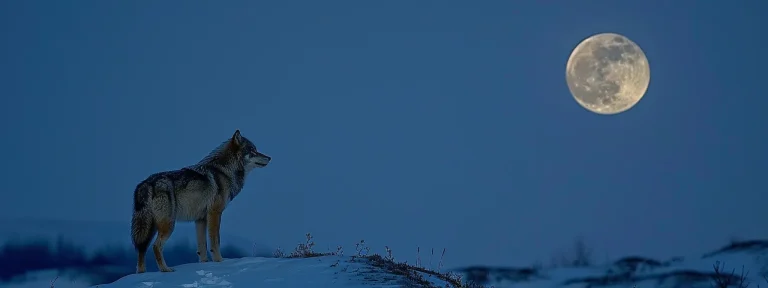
69	271
325	271
338	271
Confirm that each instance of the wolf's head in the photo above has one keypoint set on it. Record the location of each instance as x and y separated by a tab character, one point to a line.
247	153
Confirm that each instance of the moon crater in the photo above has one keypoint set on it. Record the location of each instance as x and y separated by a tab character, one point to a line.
607	73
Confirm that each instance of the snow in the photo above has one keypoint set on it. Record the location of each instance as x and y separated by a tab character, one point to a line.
261	272
693	271
338	271
325	271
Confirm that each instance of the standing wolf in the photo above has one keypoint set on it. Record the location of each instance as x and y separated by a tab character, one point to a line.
196	193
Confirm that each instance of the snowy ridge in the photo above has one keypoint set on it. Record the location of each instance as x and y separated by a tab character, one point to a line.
324	271
339	271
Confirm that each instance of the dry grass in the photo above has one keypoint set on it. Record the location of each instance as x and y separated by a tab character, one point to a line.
721	279
413	275
306	250
54	281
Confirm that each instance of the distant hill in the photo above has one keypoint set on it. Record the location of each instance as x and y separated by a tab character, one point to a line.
747	257
98	234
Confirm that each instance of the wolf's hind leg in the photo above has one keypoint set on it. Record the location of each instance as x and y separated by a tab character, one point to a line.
141	265
143	231
214	226
164	230
202	253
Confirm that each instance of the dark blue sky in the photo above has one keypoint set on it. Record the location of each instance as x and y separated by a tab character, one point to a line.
429	123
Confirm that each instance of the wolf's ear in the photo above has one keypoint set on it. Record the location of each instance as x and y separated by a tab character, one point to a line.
237	138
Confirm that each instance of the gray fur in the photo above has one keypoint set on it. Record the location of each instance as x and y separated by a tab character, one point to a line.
197	193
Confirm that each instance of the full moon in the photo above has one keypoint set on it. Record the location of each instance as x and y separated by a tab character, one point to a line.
607	73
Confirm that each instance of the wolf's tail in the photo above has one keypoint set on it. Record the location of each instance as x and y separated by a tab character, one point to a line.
143	227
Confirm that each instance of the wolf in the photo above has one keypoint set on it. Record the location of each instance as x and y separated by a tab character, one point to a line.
198	193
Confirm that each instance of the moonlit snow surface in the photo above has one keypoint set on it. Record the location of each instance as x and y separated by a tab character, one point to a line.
326	271
692	271
689	272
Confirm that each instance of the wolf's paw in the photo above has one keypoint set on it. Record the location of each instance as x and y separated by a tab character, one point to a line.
203	260
166	269
217	259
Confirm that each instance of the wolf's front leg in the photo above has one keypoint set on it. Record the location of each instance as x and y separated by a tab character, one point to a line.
214	225
202	252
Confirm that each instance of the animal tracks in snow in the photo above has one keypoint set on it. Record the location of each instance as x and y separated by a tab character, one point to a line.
208	280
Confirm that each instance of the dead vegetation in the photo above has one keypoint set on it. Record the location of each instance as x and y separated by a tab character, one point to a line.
722	279
306	250
417	275
410	275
